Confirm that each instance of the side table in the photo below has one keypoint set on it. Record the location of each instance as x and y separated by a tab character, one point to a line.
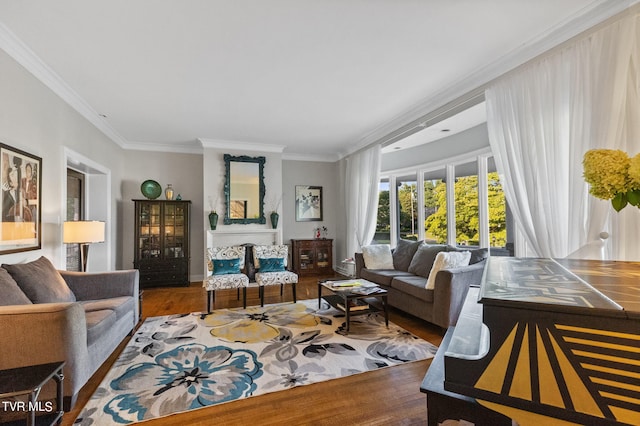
29	381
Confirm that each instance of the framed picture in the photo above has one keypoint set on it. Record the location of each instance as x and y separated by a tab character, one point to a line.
20	227
308	203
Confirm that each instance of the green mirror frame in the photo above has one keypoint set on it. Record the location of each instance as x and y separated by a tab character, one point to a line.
228	160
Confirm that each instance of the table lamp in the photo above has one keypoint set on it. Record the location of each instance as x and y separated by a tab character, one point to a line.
83	232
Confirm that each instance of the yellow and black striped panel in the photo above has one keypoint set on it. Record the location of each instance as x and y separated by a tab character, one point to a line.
563	371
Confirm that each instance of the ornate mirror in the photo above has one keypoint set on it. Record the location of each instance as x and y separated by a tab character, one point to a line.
244	189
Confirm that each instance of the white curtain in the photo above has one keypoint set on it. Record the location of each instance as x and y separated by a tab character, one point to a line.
544	117
361	191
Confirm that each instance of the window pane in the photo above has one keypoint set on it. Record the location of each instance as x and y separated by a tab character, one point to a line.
407	208
497	212
383	226
435	207
466	199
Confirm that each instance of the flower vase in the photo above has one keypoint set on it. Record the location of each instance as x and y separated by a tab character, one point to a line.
274	219
213	220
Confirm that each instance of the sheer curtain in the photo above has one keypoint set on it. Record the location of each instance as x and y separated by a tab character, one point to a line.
544	117
361	190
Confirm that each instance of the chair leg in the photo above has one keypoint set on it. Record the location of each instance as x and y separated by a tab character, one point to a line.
238	293
244	297
281	289
261	290
211	300
293	288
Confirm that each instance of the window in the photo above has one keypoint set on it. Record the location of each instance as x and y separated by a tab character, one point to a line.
435	207
466	201
383	225
407	195
448	191
497	210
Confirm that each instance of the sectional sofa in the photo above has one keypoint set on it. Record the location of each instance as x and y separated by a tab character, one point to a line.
405	276
80	318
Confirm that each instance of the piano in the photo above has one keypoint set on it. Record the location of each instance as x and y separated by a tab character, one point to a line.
542	341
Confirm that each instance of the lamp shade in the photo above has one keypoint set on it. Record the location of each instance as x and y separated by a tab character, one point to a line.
84	231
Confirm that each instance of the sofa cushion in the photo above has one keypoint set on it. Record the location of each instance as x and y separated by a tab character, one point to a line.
121	306
10	293
477	255
382	276
403	254
423	259
377	256
413	285
98	324
40	281
447	260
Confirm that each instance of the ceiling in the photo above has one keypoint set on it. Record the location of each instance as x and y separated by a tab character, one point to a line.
316	78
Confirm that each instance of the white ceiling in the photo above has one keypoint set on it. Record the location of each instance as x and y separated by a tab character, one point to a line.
318	77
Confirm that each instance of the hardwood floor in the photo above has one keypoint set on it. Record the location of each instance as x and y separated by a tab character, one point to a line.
382	397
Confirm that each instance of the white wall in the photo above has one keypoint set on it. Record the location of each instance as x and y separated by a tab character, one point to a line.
184	172
312	173
35	120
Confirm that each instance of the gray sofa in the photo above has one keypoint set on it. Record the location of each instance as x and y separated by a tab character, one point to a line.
406	282
80	318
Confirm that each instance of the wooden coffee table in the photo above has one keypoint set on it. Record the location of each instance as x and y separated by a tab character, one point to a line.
354	297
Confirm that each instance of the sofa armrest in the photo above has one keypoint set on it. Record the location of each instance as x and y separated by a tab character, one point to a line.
450	290
43	333
359	258
102	285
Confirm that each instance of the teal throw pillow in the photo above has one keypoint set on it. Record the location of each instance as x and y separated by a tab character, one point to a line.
226	266
272	264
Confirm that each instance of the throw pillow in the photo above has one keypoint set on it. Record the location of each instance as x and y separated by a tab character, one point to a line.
423	259
447	260
477	255
377	256
226	266
271	264
11	293
40	281
403	254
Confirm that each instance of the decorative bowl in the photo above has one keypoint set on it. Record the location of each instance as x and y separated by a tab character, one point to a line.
151	189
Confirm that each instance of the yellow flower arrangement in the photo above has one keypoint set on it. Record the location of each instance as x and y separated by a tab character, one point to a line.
612	175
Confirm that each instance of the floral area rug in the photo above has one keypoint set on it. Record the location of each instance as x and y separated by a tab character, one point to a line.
183	362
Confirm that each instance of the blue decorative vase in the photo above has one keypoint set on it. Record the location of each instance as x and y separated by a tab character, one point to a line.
274	219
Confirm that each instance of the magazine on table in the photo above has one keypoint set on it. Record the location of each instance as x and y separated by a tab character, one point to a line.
354	305
365	291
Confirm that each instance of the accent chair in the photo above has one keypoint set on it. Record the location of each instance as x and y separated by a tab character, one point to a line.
271	263
225	266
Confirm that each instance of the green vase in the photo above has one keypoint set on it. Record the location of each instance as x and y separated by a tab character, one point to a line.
213	220
274	219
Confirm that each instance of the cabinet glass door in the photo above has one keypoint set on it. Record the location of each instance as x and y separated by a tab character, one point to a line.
174	233
149	244
307	258
323	257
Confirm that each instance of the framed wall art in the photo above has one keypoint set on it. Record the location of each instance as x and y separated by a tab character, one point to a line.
308	203
20	227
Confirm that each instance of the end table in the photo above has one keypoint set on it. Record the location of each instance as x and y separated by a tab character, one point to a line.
29	381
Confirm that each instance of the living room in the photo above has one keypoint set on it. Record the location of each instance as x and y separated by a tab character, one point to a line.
42	114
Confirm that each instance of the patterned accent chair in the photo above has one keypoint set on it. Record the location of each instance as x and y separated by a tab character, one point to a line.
271	266
224	271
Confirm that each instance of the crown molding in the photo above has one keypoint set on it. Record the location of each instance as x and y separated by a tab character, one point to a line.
180	148
239	145
469	86
26	57
328	158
